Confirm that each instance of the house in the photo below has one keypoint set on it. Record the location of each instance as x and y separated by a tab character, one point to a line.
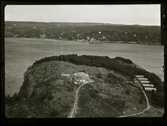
43	36
148	85
88	38
150	89
65	75
139	76
145	82
81	74
143	79
92	39
80	77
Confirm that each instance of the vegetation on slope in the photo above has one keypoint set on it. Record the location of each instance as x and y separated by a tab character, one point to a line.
127	69
44	91
84	31
112	99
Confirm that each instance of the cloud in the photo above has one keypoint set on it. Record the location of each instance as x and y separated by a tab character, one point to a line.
122	14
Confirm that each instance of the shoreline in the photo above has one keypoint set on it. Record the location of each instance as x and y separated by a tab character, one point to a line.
88	42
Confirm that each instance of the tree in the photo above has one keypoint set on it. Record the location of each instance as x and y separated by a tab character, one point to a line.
127	92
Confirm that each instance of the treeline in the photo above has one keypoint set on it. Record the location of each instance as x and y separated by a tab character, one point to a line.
124	60
98	61
84	31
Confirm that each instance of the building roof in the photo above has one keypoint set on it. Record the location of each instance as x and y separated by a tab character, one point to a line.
145	82
67	75
147	88
81	74
139	75
143	78
148	85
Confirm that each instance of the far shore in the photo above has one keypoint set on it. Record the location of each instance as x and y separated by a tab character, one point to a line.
90	42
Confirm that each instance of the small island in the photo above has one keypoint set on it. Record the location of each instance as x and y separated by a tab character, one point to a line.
72	86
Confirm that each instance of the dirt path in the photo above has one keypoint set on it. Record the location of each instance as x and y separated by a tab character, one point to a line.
73	111
148	105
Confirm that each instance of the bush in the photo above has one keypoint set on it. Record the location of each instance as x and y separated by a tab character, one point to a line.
127	92
124	60
69	89
16	97
140	102
42	96
50	97
99	75
93	94
54	113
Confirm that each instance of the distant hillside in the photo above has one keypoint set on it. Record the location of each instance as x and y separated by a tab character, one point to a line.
45	94
84	31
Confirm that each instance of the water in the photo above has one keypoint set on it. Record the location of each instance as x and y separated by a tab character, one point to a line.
22	52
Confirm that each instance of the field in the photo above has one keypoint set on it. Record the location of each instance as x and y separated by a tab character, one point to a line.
22	52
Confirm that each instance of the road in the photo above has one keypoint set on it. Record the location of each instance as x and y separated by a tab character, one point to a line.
73	111
148	105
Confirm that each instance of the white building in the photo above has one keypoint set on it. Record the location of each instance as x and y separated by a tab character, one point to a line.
139	76
65	75
143	79
150	89
148	85
80	77
42	35
145	82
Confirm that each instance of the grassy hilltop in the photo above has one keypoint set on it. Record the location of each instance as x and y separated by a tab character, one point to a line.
44	94
84	31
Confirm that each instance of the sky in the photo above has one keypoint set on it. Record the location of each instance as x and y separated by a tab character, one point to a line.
140	14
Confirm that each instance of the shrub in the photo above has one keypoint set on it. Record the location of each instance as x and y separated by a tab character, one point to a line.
93	94
69	89
16	97
127	92
99	75
124	60
140	101
50	97
42	96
